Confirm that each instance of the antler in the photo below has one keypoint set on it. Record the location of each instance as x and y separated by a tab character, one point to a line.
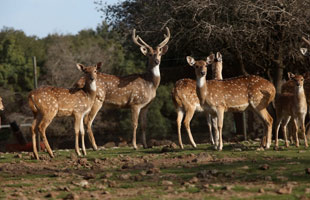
305	40
136	38
167	37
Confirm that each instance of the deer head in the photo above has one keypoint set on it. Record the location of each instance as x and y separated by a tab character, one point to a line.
200	66
90	73
154	55
298	79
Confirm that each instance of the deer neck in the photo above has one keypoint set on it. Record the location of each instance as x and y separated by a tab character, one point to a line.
154	75
91	89
217	70
201	88
299	94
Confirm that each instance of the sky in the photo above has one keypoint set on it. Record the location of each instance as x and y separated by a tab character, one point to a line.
43	17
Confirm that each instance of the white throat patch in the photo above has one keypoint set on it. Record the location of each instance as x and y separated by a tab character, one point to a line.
201	81
156	71
93	85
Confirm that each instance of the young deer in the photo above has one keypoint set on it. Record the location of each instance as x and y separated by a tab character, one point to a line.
234	95
186	101
48	102
292	105
134	91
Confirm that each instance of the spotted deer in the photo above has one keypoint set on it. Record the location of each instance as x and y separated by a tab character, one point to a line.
49	102
1	104
186	101
234	95
134	91
292	106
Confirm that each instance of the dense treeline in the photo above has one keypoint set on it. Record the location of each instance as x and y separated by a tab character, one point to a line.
256	37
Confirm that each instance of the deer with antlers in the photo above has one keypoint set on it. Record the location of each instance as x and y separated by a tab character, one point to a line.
292	106
48	102
186	101
134	91
234	95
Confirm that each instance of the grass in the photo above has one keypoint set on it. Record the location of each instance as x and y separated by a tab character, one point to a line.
239	169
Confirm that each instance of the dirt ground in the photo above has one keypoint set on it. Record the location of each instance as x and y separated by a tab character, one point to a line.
240	171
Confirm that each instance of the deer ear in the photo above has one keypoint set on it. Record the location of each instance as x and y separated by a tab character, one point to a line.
164	50
303	51
219	56
80	67
143	50
210	59
290	75
98	65
190	60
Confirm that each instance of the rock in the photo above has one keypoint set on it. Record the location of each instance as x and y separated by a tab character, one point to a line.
90	175
245	167
307	190
97	161
125	176
194	180
227	187
71	196
83	183
268	178
166	183
122	144
82	161
153	171
110	145
112	184
144	166
261	190
19	155
264	167
238	149
285	190
107	175
52	195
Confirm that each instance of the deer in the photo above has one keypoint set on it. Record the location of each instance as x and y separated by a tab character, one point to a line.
1	104
186	101
292	106
234	95
48	102
135	91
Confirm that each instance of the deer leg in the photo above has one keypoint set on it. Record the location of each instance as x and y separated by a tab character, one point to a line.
267	120
82	135
89	121
180	115
303	129
220	119
135	116
209	121
188	117
77	122
45	121
296	132
143	118
214	124
34	138
278	124
284	129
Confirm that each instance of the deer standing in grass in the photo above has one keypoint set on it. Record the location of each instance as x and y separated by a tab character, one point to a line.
234	95
134	91
186	101
48	102
292	106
